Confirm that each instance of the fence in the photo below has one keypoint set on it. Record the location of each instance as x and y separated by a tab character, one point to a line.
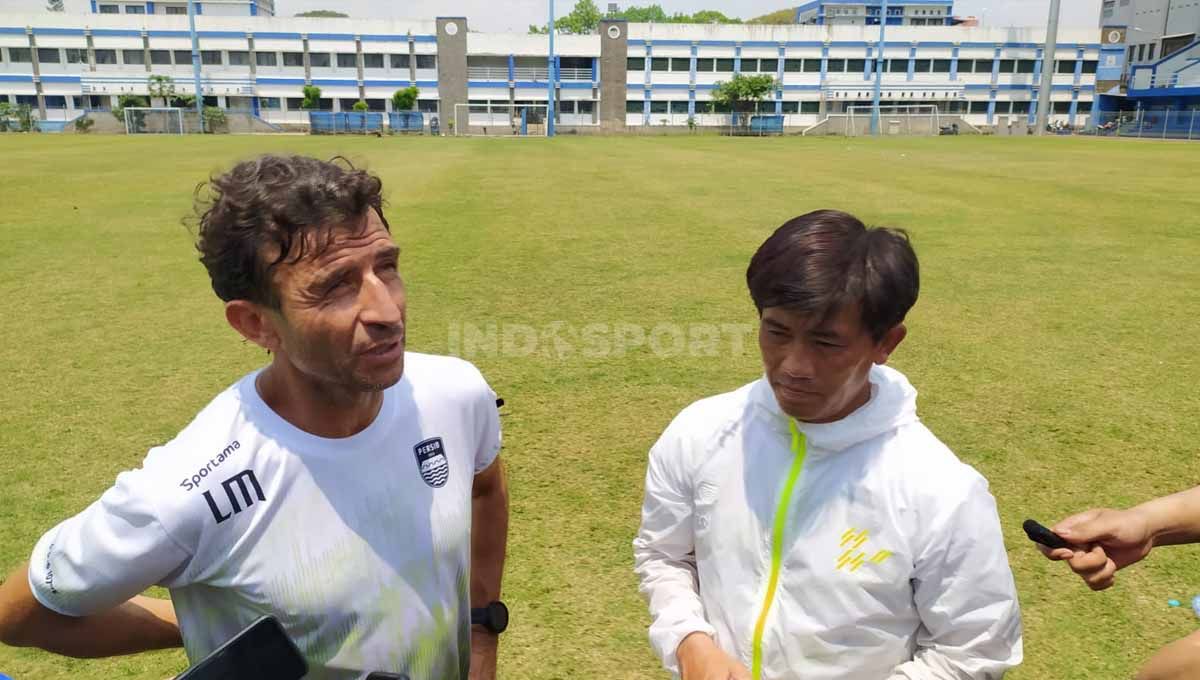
330	123
1149	124
406	121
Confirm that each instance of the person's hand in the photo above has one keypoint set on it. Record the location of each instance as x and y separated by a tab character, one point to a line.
483	653
1105	541
701	659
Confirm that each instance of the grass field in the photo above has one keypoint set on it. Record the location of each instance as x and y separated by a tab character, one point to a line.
1054	343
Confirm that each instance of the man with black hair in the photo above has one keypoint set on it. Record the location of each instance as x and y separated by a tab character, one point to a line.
349	488
808	525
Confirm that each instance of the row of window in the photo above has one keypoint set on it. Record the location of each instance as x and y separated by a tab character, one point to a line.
139	9
503	106
70	55
835	65
790	107
102	102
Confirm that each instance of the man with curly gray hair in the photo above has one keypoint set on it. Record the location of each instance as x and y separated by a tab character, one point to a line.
349	488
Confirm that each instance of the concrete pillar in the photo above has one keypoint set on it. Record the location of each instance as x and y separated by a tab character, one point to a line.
37	74
451	66
614	50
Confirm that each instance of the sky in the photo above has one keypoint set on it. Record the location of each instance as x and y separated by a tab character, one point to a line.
516	15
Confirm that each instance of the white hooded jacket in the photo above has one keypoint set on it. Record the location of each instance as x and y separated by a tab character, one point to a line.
861	548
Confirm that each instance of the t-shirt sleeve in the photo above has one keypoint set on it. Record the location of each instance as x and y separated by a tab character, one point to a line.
110	552
487	427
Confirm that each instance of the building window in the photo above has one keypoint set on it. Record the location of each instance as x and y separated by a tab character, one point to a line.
682	65
295	59
105	56
182	57
176	10
768	65
1067	67
659	107
239	58
679	107
941	65
49	55
705	65
427	105
856	65
1089	66
1153	46
372	61
1026	65
160	57
135	9
1001	108
791	107
295	103
587	106
319	59
660	64
29	100
836	66
269	103
1008	65
1062	107
979	107
1020	107
793	65
133	57
897	66
427	61
749	65
922	65
399	60
632	106
812	65
635	64
76	56
55	101
110	9
266	59
724	66
210	57
20	55
810	107
1141	53
347	60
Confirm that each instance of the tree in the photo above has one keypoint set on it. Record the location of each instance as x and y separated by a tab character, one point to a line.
312	98
712	16
406	99
161	87
134	100
323	14
582	20
783	16
6	113
360	107
742	93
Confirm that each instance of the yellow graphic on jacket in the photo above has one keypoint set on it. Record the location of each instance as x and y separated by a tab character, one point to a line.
852	540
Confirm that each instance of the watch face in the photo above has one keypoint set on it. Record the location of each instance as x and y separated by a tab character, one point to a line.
498	617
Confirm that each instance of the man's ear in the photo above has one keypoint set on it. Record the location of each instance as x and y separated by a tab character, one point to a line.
888	344
254	322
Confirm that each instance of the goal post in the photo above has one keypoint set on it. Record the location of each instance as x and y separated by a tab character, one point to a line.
895	119
151	120
500	119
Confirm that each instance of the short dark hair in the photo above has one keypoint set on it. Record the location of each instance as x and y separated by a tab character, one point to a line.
820	262
280	201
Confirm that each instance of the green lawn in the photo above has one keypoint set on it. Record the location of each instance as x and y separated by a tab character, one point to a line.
1054	343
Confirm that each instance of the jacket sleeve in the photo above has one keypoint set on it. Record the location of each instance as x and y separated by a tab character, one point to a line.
664	552
964	591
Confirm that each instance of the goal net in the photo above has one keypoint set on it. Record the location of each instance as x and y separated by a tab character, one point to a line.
141	120
906	119
500	119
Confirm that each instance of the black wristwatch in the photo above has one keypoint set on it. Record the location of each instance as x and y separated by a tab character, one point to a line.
493	617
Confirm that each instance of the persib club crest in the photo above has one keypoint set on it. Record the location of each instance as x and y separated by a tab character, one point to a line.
431	459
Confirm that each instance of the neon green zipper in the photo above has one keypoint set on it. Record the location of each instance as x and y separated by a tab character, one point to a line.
798	449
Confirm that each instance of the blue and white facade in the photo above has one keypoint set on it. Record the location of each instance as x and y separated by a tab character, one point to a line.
62	65
870	13
223	8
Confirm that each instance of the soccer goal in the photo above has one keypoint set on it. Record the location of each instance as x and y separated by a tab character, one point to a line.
900	119
149	120
500	119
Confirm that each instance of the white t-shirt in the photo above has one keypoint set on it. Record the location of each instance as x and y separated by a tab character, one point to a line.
359	546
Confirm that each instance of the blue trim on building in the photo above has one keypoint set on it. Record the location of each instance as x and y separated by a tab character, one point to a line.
220	34
150	8
712	43
331	36
802	88
95	9
335	82
666	86
269	35
62	79
1038	65
170	34
390	83
912	63
57	31
737	59
199	9
574	85
254	13
595	69
512	68
382	37
536	83
10	78
954	65
115	32
425	38
494	84
279	81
